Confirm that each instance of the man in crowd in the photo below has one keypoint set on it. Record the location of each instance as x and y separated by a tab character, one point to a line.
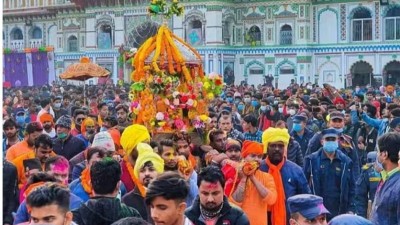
250	129
289	177
79	117
65	144
48	124
386	208
46	108
43	149
33	130
88	130
104	208
331	176
301	133
10	192
211	207
307	209
50	204
225	124
11	137
148	166
58	110
103	113
166	199
122	116
168	153
233	149
256	190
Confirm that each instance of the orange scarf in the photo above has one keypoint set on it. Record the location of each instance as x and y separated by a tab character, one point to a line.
85	181
33	187
278	210
135	180
193	161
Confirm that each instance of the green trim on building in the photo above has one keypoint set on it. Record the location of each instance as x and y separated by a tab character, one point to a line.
304	59
269	59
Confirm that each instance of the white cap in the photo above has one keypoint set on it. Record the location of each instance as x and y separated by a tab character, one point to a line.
104	139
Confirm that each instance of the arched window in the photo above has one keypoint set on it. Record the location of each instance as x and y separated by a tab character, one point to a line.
392	24
253	35
362	25
194	32
16	34
72	44
37	33
104	40
286	35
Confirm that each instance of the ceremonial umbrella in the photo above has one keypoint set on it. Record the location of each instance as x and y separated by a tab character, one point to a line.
82	71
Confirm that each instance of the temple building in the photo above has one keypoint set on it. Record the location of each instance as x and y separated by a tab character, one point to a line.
343	43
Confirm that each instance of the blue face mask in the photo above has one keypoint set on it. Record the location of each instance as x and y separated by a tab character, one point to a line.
339	130
331	146
229	99
297	127
20	119
263	108
103	129
237	101
254	103
240	107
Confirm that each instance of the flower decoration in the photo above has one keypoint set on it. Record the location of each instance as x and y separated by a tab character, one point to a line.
213	84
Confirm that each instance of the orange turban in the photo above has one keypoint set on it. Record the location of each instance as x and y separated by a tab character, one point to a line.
251	147
390	88
87	122
46	117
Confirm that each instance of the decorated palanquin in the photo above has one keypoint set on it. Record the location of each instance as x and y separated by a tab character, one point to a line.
169	90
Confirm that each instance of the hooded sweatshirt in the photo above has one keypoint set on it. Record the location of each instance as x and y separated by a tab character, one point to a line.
103	211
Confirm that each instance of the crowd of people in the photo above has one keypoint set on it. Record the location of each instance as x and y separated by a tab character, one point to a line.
299	156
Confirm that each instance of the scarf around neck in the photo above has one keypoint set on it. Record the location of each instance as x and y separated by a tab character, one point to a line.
278	210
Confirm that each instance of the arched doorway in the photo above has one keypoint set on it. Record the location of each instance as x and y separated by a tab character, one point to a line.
361	73
141	33
392	71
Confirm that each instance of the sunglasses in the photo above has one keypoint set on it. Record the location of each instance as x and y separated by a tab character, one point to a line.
80	119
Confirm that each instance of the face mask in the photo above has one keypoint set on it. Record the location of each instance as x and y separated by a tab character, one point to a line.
90	131
280	110
237	101
240	107
378	164
57	105
254	103
263	108
297	127
309	87
330	146
339	130
276	102
247	100
47	126
20	120
292	112
62	135
357	89
103	129
229	99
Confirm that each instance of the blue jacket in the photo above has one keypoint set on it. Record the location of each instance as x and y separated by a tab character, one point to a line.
352	151
366	186
294	181
294	153
380	124
303	141
386	207
22	214
312	164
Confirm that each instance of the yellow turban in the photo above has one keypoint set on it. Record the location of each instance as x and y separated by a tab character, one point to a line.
146	156
274	135
132	136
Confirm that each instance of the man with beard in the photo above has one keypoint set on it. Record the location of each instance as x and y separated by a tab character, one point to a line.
289	178
42	151
48	124
168	153
148	166
103	112
211	207
10	129
233	149
166	199
46	108
122	116
33	130
88	129
79	116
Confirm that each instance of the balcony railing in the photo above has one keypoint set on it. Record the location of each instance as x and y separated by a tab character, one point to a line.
17	44
35	43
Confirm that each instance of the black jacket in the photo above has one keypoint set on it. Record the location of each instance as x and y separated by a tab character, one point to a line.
102	211
68	148
229	215
10	191
294	153
135	200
